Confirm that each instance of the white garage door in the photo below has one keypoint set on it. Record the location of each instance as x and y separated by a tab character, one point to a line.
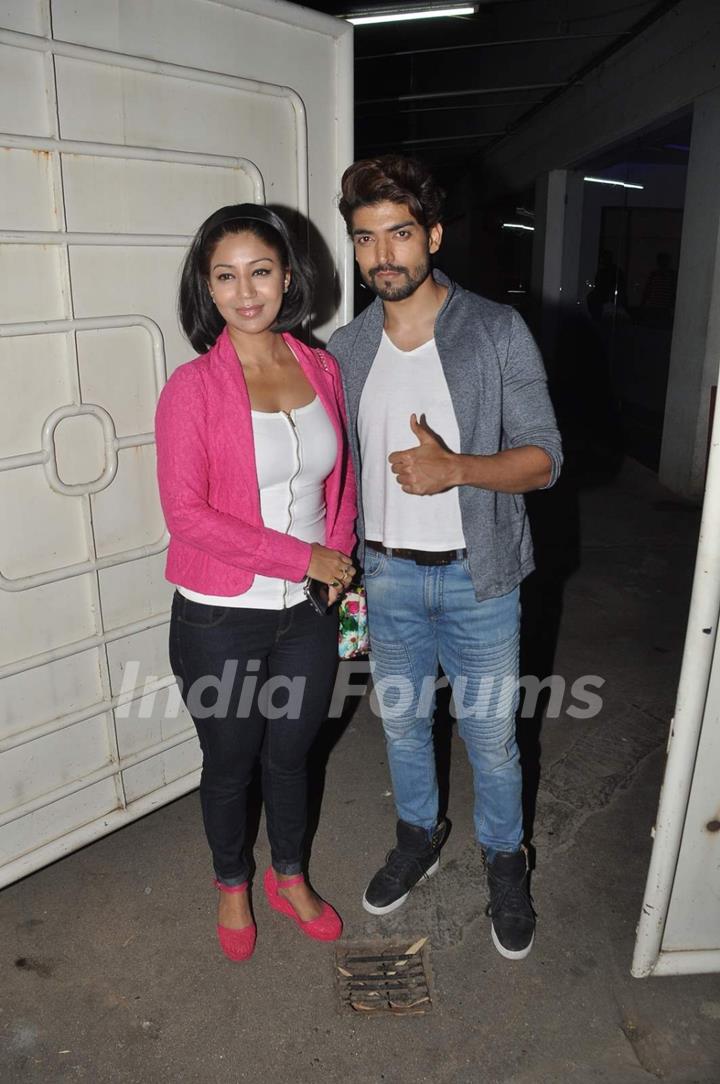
122	126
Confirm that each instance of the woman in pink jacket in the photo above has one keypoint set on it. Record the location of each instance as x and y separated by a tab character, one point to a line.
258	494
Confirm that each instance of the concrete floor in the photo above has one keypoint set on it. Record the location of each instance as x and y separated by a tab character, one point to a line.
110	971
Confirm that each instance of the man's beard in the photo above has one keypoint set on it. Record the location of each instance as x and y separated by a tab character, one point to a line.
404	287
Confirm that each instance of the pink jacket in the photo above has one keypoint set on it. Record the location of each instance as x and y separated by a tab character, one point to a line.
208	478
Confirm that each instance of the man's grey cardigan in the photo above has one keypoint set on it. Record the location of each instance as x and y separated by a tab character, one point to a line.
499	393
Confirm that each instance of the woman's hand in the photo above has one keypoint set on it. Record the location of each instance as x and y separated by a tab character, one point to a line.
331	567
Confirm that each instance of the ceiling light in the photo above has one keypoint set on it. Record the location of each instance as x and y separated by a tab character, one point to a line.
402	15
618	184
516	226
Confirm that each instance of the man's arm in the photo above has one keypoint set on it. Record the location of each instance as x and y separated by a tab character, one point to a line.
528	419
516	470
432	468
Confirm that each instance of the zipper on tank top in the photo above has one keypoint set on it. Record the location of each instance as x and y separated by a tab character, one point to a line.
291	492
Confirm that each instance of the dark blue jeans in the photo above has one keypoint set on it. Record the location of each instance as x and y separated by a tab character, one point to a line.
257	684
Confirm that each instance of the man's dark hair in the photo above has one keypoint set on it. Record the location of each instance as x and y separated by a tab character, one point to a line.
200	320
393	178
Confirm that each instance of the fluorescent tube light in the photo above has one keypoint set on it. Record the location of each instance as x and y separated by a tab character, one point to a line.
516	226
403	16
618	184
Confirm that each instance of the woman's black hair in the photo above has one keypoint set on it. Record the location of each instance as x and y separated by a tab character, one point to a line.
201	321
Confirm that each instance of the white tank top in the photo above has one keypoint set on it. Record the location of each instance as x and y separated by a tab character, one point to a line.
294	453
401	383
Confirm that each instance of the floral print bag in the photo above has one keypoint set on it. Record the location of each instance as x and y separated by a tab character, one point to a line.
353	631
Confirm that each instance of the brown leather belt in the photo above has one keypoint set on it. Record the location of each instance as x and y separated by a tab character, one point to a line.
420	557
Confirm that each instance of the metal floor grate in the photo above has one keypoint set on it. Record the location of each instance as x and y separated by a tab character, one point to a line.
384	978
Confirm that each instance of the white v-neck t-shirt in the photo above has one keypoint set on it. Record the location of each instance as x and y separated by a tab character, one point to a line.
401	383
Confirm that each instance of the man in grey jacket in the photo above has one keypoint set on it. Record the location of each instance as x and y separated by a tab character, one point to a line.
449	424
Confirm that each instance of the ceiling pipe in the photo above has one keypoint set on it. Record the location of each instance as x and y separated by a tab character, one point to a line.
489	45
448	139
443	109
369	146
435	95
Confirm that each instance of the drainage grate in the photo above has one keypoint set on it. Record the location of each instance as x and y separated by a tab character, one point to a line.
383	978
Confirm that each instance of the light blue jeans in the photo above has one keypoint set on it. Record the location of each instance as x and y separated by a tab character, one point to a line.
419	616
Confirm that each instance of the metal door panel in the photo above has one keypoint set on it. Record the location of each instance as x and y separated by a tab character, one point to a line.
110	161
25	547
693	920
154	774
56	828
73	753
148	649
131	279
133	591
30	17
25	109
149	196
74	682
26	192
150	719
679	928
31	279
201	112
130	516
116	369
36	622
79	449
41	362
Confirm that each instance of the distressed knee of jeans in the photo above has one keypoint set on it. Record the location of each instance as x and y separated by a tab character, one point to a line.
487	736
395	707
488	685
502	757
407	732
394	695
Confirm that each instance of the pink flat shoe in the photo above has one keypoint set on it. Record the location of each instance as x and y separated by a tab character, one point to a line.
326	927
238	945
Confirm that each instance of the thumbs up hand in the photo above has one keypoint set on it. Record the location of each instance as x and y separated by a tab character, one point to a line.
428	468
422	430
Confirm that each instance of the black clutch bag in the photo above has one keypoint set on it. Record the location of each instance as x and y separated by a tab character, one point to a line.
317	595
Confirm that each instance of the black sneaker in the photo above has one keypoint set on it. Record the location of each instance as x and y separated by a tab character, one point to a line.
510	907
415	858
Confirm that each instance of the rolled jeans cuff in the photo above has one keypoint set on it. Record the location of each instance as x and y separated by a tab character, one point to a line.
287	869
231	882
